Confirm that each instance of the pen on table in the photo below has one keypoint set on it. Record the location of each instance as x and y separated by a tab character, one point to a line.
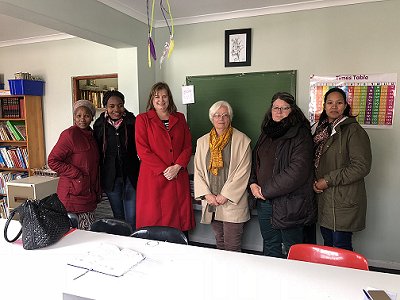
367	295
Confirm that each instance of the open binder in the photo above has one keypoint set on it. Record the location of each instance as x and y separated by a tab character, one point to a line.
108	259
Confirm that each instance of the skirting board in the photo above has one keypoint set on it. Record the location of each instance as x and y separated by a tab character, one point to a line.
384	264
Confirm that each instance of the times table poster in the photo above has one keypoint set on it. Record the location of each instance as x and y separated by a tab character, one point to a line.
371	97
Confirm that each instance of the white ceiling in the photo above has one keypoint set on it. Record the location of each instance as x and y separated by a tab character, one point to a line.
16	31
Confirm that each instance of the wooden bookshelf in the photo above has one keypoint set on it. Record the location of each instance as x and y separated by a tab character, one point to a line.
93	87
30	114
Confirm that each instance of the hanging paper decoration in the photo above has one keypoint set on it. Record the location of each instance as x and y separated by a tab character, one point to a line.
168	46
151	51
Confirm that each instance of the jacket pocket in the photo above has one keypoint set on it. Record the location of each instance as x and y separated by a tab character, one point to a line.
80	186
288	211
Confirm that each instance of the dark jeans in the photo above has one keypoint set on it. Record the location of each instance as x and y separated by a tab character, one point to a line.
123	201
338	239
228	236
310	234
274	238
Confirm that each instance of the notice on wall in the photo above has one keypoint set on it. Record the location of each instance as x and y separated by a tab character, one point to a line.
371	97
187	94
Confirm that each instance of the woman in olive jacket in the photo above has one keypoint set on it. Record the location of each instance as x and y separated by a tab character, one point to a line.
342	160
282	176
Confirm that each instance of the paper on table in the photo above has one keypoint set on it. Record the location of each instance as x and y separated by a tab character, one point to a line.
370	296
108	259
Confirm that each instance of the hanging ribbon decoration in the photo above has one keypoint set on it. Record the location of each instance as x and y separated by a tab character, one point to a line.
168	46
151	51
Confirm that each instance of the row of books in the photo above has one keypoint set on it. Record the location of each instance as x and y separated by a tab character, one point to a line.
96	97
7	176
12	107
12	131
14	157
3	208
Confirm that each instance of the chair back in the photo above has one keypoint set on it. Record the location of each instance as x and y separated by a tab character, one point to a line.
328	256
113	226
161	233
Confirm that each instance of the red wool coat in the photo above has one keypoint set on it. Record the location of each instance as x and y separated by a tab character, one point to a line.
160	201
75	158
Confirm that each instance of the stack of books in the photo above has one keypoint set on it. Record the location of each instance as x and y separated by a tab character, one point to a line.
12	107
13	157
3	208
12	130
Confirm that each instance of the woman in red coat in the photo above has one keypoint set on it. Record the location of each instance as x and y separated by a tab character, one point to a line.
75	158
163	143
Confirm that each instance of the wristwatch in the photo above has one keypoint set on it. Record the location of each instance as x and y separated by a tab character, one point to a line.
202	197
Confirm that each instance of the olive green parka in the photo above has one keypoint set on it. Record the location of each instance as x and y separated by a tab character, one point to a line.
345	161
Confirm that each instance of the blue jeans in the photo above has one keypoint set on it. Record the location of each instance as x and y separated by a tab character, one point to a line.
274	238
338	239
123	201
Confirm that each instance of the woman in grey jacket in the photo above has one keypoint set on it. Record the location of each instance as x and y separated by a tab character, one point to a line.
282	176
342	159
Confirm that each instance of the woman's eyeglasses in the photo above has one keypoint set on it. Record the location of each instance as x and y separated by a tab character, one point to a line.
218	116
280	109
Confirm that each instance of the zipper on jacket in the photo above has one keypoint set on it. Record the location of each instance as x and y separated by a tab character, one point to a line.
333	209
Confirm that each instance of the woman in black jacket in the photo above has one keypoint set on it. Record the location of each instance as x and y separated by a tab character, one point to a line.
114	132
282	176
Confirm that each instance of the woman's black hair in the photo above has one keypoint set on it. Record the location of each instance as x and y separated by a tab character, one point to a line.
110	94
295	117
346	111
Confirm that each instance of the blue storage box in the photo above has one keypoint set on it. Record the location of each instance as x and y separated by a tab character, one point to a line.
26	87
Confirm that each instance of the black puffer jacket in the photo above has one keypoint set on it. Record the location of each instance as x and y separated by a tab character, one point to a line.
290	188
118	156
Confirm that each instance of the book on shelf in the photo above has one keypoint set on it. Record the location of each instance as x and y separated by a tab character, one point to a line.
21	128
5	134
3	208
12	126
6	158
5	92
7	176
10	107
13	157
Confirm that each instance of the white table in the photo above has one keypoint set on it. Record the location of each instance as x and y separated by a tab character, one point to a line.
172	271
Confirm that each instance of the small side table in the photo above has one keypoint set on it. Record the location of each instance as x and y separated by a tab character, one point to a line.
33	187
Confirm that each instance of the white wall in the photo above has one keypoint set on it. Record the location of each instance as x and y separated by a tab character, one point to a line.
56	62
352	39
360	38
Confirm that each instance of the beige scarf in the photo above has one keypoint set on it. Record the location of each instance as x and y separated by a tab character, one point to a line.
217	144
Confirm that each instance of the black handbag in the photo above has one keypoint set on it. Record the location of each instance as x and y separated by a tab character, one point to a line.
44	222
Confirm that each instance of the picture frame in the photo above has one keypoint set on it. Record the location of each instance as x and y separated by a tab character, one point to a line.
238	47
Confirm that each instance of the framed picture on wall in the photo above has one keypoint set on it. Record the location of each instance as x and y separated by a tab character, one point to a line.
238	47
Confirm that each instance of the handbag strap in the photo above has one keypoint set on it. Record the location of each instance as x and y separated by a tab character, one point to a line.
6	227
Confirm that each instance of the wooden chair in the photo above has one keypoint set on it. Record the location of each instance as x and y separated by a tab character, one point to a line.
113	226
161	233
328	256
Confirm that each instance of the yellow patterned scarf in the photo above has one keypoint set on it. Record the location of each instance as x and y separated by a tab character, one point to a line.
217	144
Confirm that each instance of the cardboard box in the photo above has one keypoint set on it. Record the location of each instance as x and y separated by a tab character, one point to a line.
33	187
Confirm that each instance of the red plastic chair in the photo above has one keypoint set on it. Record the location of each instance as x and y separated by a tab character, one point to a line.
328	256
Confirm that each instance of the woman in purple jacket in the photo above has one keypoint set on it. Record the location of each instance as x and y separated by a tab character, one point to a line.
75	158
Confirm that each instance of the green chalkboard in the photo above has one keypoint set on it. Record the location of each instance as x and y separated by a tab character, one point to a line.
249	94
